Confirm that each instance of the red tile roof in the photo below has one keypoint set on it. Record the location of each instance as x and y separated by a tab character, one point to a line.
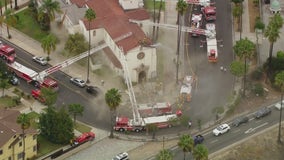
79	3
111	17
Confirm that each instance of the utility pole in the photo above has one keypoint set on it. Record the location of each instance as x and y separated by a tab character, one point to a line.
280	119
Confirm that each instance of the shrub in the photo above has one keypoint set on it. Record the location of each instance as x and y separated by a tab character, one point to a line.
258	89
16	100
257	74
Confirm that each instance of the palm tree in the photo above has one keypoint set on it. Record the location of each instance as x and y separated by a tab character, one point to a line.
272	32
89	15
10	20
76	109
16	5
48	9
24	120
244	49
181	8
164	154
113	100
237	12
200	152
48	44
186	143
279	81
159	17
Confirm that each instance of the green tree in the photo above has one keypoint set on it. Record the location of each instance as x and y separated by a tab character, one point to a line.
47	11
3	69
48	44
152	128
237	2
76	44
237	12
186	143
16	5
200	152
49	95
24	120
259	24
57	127
279	81
89	15
272	32
181	8
3	84
164	154
113	100
76	109
1	8
237	68
244	49
10	20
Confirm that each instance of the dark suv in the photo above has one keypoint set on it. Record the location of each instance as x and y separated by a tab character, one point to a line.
240	120
92	90
262	112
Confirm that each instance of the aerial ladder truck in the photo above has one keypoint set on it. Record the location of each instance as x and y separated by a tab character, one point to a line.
41	76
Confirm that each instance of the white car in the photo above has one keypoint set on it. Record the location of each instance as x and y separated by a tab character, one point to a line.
121	156
40	60
223	128
78	82
278	105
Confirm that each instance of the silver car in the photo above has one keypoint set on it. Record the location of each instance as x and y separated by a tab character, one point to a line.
78	82
40	60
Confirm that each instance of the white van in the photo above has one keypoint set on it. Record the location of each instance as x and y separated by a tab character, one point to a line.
121	156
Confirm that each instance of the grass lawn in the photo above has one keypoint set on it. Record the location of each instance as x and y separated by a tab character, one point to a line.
82	128
45	146
149	4
29	26
7	101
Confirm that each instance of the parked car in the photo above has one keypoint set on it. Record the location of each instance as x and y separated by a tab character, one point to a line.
78	82
14	80
240	120
121	156
40	60
223	128
198	139
92	90
278	105
262	112
87	136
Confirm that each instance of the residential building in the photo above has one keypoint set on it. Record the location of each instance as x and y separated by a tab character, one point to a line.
11	141
111	22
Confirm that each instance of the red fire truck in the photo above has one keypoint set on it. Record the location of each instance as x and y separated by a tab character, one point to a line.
28	75
209	13
7	53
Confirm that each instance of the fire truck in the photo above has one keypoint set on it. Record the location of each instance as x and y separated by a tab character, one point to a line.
139	123
7	53
212	52
209	32
42	81
207	9
209	13
28	75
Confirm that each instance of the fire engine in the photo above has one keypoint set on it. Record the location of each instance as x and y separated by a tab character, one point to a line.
7	53
139	123
28	75
209	13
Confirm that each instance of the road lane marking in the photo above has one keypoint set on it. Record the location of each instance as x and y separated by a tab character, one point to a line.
174	148
216	140
253	129
251	119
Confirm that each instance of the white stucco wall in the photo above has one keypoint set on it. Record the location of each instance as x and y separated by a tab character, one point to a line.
131	4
